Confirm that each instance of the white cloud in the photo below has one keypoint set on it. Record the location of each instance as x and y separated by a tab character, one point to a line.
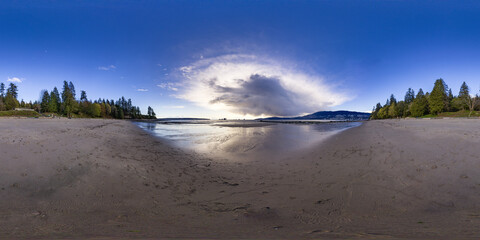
186	69
15	79
142	90
173	106
169	86
158	64
107	68
250	85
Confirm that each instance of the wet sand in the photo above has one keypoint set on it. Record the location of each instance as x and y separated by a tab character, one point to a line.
393	179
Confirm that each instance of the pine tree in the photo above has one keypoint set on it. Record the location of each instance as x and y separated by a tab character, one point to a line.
72	89
409	96
2	90
83	96
55	103
464	95
392	99
450	100
11	101
153	114
67	99
13	90
44	105
438	97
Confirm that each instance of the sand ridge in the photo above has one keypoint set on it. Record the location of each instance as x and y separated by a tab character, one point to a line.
89	178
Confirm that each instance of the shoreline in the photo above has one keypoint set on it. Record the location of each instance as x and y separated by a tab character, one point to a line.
90	178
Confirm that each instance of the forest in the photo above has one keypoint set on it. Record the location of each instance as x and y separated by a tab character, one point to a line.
440	102
66	104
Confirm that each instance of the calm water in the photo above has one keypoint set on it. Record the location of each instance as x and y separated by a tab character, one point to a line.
244	140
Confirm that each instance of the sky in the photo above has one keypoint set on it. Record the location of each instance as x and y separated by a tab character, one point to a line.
240	59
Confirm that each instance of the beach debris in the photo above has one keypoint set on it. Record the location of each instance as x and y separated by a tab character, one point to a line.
323	201
230	184
39	214
277	227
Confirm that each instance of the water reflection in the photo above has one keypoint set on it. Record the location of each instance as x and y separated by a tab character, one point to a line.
243	140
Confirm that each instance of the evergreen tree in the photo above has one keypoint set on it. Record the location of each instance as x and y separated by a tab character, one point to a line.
2	90
55	103
72	89
409	96
151	113
45	104
83	96
464	95
420	105
393	100
154	115
67	100
468	101
11	101
66	103
438	97
12	89
450	100
375	111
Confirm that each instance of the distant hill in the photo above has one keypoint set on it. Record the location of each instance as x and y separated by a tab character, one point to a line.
328	115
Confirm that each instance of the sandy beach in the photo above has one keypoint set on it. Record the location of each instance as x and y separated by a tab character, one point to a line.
109	179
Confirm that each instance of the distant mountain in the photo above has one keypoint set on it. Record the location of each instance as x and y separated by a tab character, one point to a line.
328	115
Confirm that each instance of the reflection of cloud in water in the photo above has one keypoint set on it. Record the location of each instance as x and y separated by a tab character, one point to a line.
245	140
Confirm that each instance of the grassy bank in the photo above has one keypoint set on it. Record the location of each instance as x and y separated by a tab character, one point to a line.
13	113
459	114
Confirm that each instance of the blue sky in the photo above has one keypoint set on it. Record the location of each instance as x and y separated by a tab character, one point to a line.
240	58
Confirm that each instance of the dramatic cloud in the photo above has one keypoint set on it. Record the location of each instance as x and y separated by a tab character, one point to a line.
247	85
107	68
15	79
142	90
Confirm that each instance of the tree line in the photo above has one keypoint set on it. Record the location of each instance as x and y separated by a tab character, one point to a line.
440	99
66	104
